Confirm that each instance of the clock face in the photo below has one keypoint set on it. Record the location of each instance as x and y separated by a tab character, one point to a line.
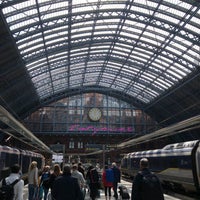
95	114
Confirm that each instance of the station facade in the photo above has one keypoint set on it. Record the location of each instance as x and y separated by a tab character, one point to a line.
88	122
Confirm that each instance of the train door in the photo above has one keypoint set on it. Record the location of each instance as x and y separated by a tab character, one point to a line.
198	165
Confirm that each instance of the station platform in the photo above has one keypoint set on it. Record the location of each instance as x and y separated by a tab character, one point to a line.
102	195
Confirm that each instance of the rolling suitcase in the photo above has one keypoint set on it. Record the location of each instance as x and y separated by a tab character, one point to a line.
123	191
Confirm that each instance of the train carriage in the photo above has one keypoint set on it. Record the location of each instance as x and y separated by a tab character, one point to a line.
177	165
10	156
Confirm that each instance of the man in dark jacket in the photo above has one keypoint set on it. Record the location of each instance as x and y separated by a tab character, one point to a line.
146	185
117	178
66	187
93	177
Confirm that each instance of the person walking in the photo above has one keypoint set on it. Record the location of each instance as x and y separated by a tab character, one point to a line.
107	180
66	186
146	184
93	179
13	177
56	172
117	178
44	181
32	180
80	178
81	169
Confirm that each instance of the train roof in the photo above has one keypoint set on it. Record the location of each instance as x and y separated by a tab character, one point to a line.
183	148
12	150
162	152
33	154
9	149
188	144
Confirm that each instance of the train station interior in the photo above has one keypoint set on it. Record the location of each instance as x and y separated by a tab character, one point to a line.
94	80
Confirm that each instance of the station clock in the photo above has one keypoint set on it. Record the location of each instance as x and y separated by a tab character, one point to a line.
95	114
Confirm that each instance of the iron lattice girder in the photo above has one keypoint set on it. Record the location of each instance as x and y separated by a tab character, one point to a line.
133	16
96	89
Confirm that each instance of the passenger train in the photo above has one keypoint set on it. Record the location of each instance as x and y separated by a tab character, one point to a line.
177	165
10	156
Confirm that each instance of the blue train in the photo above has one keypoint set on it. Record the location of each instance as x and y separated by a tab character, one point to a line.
177	165
10	156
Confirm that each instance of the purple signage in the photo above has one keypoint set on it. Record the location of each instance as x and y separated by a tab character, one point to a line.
76	127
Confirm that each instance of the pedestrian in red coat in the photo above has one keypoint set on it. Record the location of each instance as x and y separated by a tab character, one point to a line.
107	179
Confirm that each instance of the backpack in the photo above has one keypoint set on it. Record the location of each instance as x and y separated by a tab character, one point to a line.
109	175
94	176
45	179
7	190
151	187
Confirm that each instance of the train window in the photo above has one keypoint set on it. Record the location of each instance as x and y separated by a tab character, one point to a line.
26	163
155	163
125	163
14	158
129	163
2	160
136	163
174	162
185	162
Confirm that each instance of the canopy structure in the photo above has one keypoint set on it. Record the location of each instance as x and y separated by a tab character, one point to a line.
143	52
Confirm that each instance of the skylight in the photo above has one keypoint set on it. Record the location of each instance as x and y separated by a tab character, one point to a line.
142	48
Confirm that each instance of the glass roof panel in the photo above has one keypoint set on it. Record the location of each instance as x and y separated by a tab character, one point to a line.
127	50
180	71
194	28
124	46
52	6
38	61
81	29
150	40
61	33
142	54
30	43
130	24
32	48
168	18
177	51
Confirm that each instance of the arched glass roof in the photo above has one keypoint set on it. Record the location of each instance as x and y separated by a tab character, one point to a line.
138	47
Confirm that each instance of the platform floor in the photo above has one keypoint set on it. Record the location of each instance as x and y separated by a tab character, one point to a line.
102	196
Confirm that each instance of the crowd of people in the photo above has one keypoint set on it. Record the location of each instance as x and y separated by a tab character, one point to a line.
73	181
